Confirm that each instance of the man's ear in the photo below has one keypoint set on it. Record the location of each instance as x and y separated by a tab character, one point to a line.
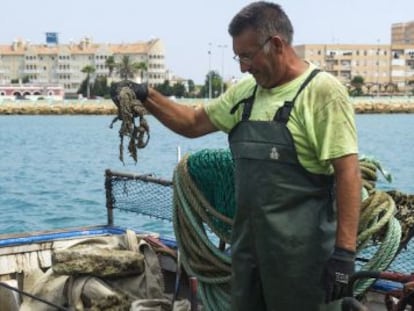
278	44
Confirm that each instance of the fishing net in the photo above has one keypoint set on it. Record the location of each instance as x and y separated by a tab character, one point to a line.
210	172
403	262
141	194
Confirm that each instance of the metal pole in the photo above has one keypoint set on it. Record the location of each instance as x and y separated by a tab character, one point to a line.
209	70
109	198
178	153
222	46
88	89
193	293
378	67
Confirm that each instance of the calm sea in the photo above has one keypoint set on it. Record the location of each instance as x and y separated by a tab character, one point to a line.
52	167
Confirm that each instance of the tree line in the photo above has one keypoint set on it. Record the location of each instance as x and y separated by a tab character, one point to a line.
99	86
358	87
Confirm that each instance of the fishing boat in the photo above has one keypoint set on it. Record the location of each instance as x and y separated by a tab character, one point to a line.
95	267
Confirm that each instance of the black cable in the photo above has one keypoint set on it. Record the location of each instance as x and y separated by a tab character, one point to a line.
34	297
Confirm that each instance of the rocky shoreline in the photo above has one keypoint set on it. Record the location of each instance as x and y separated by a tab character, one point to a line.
58	108
106	107
367	107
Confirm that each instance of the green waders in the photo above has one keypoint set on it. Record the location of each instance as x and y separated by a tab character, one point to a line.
284	227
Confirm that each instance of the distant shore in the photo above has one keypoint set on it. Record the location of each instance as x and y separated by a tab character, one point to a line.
364	105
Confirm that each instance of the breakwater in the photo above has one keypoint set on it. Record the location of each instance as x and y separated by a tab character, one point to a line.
363	105
86	107
383	104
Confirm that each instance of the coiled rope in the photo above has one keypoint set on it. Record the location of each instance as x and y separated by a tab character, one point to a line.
193	223
379	232
204	207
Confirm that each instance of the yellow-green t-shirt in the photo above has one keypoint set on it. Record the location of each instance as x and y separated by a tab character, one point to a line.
322	121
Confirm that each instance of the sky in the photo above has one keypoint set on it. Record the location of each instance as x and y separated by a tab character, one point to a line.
190	28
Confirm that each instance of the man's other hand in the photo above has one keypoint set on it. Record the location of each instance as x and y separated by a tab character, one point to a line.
338	269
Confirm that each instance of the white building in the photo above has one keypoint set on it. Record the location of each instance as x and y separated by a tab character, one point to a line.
62	64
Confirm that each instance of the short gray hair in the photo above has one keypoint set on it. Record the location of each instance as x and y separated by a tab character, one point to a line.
266	18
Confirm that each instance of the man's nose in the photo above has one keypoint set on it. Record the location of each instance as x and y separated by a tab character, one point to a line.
244	67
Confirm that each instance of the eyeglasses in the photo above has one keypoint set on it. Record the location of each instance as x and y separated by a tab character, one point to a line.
248	60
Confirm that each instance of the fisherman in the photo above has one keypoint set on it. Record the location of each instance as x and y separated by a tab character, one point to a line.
293	138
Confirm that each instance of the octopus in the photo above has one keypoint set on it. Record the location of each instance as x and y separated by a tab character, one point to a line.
129	109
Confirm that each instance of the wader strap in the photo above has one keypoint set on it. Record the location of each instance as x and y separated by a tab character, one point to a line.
283	113
248	104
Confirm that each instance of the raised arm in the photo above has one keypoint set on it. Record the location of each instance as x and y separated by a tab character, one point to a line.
182	119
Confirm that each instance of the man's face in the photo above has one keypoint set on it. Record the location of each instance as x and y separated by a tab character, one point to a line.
259	58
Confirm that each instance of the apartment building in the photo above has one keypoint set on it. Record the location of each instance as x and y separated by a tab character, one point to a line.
384	67
402	33
63	63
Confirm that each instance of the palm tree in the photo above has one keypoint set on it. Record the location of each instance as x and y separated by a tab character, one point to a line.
110	63
142	68
357	82
369	86
126	69
88	69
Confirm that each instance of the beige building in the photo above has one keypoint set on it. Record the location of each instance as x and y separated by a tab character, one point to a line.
384	67
402	33
63	63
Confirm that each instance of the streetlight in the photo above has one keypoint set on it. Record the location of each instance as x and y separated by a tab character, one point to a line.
209	70
378	66
222	46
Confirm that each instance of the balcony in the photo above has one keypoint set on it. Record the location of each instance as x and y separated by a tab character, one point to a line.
65	71
31	71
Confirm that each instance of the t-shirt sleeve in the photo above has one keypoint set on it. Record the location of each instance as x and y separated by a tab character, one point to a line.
218	110
334	123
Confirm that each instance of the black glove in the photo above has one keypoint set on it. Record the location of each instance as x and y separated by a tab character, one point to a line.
140	90
338	269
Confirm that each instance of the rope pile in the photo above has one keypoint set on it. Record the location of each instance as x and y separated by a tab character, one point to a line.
204	207
194	220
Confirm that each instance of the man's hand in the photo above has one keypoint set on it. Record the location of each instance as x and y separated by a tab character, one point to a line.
140	90
336	274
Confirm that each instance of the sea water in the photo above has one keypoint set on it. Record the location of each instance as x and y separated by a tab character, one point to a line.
52	167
